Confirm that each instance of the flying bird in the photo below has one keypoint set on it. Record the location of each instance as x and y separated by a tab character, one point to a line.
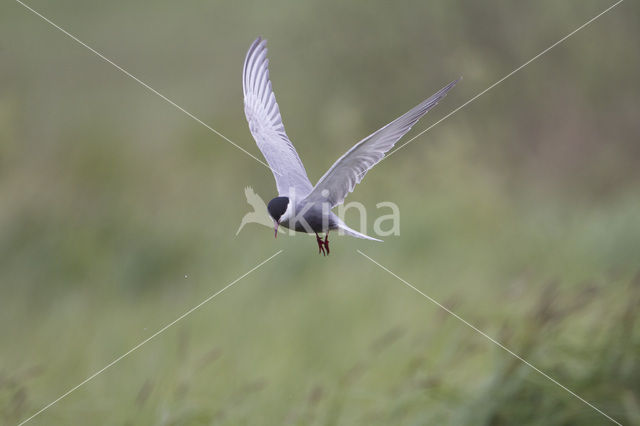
300	205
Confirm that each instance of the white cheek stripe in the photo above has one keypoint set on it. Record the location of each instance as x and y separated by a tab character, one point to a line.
287	213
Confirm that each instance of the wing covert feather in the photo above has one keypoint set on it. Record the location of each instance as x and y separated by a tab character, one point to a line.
351	168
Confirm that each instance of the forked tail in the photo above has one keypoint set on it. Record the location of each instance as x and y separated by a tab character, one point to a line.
348	231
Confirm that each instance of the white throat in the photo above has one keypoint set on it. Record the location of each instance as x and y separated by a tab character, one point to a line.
288	212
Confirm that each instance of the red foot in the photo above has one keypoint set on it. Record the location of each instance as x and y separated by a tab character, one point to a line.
323	245
320	245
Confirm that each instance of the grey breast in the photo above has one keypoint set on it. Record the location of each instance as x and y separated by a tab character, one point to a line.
313	215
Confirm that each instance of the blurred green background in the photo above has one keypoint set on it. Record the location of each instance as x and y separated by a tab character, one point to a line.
520	213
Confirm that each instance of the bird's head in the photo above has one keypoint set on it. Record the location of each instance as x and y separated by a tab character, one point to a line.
277	209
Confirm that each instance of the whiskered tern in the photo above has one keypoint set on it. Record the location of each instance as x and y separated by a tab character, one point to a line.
299	205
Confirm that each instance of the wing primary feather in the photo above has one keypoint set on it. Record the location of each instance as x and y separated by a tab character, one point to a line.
265	123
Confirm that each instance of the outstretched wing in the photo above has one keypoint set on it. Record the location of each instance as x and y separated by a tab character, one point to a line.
266	126
349	170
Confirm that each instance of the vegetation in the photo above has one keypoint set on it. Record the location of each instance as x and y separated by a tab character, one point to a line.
519	213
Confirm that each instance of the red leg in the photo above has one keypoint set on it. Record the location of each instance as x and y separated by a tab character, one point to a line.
326	242
320	244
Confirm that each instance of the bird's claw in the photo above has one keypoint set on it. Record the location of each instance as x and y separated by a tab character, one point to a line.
323	245
320	245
